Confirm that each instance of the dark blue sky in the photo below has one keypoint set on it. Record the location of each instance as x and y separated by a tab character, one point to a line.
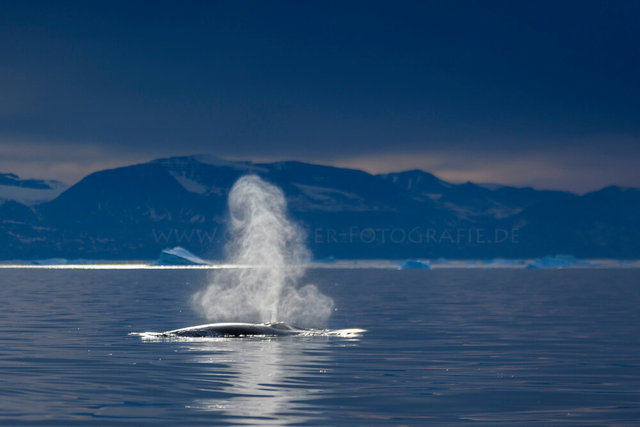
527	93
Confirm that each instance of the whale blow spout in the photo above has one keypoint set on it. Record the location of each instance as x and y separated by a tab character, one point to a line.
271	253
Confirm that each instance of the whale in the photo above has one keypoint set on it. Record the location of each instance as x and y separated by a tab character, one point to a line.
233	330
240	330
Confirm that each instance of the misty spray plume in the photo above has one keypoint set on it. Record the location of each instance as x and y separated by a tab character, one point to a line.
270	250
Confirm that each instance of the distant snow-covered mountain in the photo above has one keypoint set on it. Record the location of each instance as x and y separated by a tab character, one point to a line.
136	211
28	191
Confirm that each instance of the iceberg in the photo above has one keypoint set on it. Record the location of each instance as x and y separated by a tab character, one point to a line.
179	256
412	264
50	261
558	261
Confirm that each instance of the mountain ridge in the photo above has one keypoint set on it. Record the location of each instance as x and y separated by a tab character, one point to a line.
135	211
28	191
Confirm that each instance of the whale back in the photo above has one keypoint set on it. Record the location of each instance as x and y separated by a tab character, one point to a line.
234	330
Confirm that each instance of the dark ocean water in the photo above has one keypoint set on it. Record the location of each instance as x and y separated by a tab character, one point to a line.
474	346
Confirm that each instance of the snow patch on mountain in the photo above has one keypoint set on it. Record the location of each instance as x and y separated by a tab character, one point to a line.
189	184
327	199
212	160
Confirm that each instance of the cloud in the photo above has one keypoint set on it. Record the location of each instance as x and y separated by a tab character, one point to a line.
580	166
64	161
19	93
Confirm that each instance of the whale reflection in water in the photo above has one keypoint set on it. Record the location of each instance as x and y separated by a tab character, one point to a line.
239	330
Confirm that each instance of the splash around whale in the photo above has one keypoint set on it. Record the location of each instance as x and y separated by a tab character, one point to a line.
244	330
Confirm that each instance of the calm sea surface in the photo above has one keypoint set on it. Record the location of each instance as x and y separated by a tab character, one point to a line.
470	346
